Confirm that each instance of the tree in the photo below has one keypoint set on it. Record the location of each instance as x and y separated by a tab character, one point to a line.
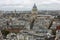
58	16
53	32
5	32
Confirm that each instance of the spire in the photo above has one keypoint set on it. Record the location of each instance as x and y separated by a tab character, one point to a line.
34	9
34	6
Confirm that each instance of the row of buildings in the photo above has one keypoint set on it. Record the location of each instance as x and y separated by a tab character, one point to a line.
28	26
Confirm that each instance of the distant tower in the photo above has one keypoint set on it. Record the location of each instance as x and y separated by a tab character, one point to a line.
34	9
33	16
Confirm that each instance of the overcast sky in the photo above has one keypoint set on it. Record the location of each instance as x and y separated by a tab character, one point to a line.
28	4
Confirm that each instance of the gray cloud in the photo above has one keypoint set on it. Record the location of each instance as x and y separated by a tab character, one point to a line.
27	4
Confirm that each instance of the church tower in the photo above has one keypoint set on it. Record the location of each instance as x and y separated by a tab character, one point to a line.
33	16
34	9
34	12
